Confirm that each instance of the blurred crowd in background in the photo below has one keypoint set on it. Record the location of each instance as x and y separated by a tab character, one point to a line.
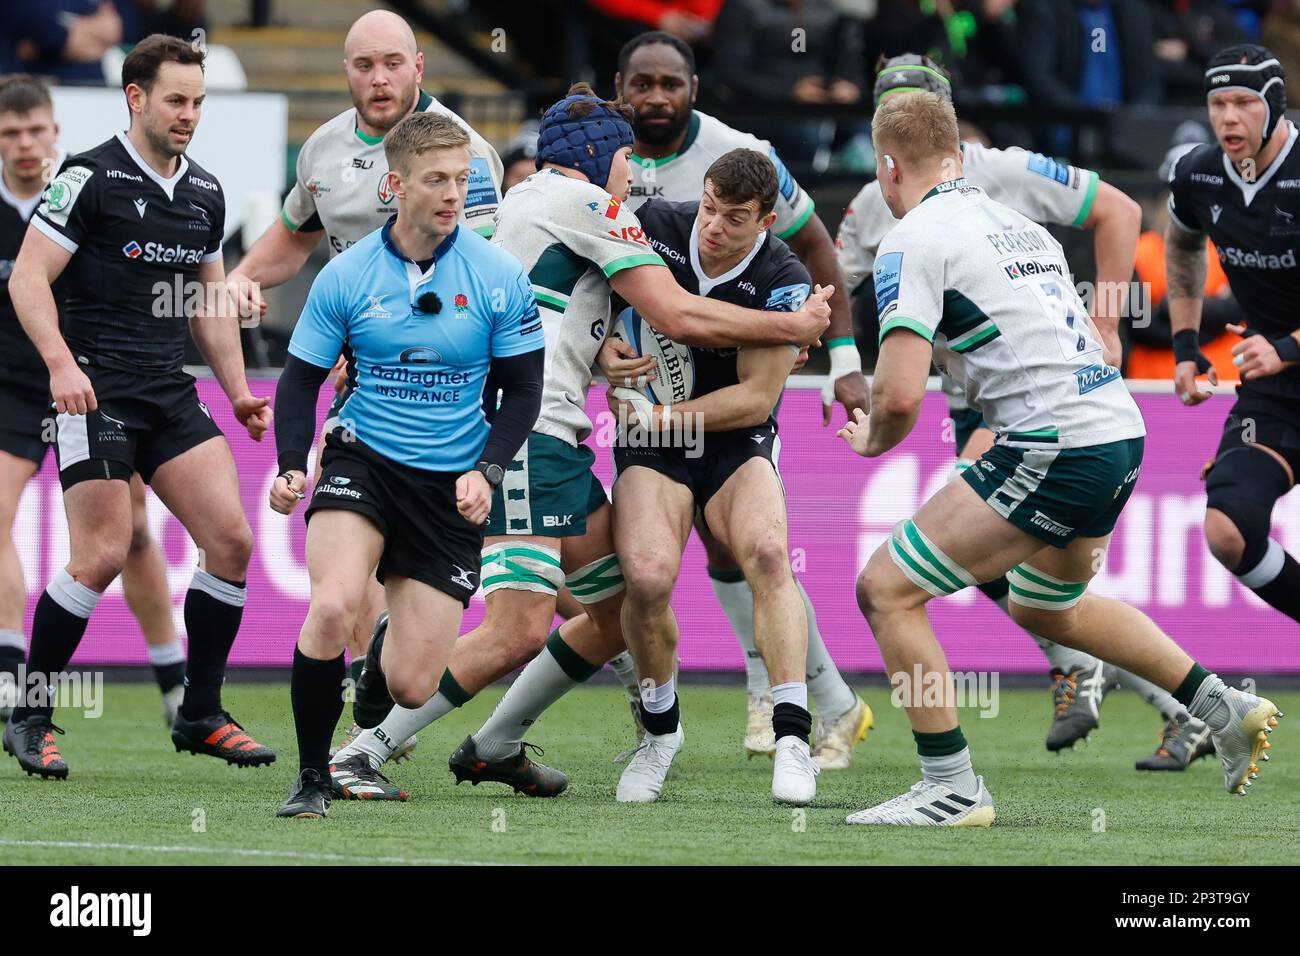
1115	85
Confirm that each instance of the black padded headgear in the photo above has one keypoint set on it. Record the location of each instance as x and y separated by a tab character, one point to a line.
1250	67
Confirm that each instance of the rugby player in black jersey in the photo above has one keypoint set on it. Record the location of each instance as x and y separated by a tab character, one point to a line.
134	229
29	158
1244	192
720	247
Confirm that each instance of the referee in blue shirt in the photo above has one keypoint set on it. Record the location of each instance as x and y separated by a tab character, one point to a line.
427	311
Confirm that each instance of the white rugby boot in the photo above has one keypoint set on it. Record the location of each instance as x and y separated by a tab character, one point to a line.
760	739
834	739
1244	740
930	805
643	777
794	773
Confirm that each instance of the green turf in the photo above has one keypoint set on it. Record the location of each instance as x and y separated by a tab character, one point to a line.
128	787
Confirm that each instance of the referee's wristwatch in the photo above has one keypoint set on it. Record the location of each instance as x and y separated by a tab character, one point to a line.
494	474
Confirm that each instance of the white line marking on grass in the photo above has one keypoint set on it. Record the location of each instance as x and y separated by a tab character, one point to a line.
241	851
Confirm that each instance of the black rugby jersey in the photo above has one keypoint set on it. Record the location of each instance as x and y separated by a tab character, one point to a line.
137	241
770	278
1255	227
18	357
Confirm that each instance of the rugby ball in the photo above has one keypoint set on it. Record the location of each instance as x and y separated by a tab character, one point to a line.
675	368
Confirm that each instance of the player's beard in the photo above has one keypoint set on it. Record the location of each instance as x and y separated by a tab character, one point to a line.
662	135
160	140
384	124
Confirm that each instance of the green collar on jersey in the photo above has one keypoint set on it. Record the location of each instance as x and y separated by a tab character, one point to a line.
421	105
692	131
946	187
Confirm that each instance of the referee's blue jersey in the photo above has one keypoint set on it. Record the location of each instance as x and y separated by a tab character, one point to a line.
419	375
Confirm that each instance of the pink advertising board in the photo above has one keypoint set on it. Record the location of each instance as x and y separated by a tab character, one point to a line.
841	508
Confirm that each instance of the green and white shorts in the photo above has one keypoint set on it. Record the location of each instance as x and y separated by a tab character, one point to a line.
1059	494
548	491
1055	495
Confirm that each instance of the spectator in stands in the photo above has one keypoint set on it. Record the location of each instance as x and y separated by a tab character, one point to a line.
762	57
1088	53
179	18
63	39
1281	34
1149	352
1188	33
901	25
983	40
689	20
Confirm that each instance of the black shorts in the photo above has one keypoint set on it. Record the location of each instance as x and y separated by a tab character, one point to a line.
142	422
1266	420
25	417
425	537
706	468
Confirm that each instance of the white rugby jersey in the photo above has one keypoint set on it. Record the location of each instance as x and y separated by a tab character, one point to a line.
342	183
992	290
680	177
1033	185
571	237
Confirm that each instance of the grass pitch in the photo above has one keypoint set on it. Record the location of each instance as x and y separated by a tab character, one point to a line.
131	799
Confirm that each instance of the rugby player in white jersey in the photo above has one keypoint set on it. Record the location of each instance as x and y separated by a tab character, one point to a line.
550	525
342	191
675	144
958	281
1047	192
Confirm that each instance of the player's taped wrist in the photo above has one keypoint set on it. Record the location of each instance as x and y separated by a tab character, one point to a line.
647	412
845	360
1187	348
1288	348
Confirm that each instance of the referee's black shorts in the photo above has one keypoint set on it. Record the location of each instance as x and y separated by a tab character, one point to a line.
142	422
425	537
26	425
1263	419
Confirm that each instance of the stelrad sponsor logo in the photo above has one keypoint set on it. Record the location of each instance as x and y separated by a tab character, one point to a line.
1256	258
157	252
